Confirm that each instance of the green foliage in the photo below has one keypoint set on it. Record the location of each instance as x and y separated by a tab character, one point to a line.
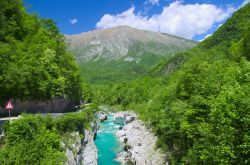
200	110
37	139
31	140
74	121
115	71
123	57
233	30
33	57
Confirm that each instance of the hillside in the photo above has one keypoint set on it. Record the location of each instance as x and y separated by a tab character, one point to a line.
200	109
36	67
35	64
122	53
233	34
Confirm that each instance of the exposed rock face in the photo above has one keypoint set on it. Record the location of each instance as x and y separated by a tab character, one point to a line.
90	152
122	53
101	116
123	117
129	119
73	146
80	151
70	158
124	42
57	105
139	144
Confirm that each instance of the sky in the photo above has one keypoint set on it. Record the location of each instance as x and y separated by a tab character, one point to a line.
191	19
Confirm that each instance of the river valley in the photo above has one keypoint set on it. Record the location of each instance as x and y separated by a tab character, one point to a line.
122	138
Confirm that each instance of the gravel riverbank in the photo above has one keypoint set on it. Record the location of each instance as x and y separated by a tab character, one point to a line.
81	151
139	142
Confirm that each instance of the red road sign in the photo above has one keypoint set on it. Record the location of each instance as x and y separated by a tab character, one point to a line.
9	105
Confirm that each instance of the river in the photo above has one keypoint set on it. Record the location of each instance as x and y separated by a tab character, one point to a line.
107	144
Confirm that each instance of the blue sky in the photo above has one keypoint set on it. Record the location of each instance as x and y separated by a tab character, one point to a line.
193	19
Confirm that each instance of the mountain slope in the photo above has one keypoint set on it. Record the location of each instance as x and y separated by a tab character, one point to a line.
233	30
122	53
234	33
200	112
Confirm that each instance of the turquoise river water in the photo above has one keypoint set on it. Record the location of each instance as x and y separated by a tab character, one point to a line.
107	143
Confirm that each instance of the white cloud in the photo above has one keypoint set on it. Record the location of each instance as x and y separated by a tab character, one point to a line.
185	20
220	25
153	2
245	2
208	35
73	21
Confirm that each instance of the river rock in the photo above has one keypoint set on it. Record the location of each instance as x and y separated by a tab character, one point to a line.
123	117
124	158
141	144
102	116
129	119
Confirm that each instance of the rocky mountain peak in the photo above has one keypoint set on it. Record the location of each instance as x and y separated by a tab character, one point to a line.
120	41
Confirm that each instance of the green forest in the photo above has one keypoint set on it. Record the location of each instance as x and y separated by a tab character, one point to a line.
200	110
35	63
38	139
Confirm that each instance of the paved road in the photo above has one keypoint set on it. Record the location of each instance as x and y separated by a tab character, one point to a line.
11	118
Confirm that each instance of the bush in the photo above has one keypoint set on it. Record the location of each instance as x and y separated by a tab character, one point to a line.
36	139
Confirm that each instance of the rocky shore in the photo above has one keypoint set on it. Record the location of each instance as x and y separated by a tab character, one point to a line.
81	151
123	117
89	152
139	142
101	116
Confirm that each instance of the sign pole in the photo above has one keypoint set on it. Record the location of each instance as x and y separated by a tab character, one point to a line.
9	107
9	114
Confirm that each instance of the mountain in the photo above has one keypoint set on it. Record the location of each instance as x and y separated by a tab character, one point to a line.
122	53
200	112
